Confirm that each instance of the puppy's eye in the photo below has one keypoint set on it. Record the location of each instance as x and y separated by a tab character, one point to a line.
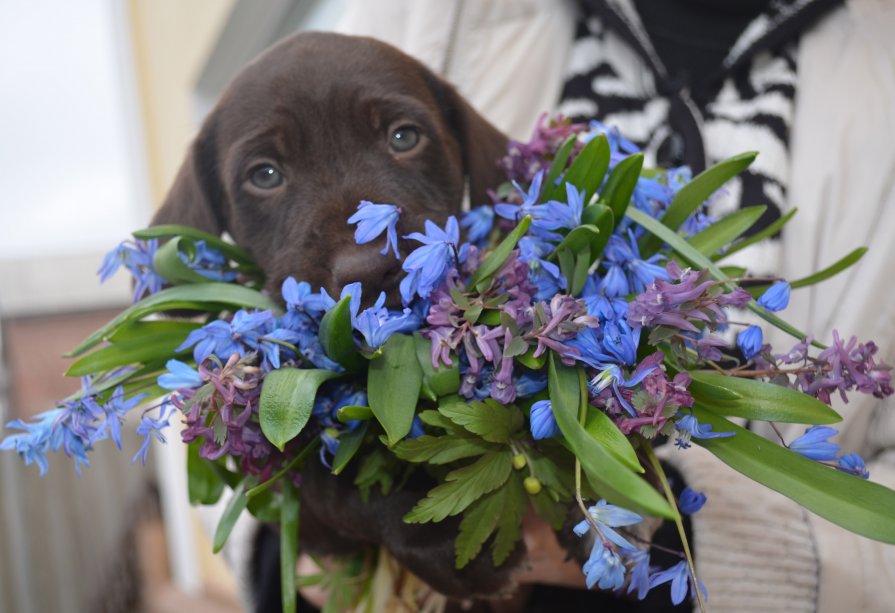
266	177
404	138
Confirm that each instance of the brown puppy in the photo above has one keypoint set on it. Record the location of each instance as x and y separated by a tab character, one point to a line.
306	131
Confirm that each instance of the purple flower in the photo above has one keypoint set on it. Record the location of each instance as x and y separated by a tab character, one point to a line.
854	464
690	501
179	376
776	298
372	220
750	341
680	578
814	444
689	427
543	422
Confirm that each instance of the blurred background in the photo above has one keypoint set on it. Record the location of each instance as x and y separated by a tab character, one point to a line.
100	99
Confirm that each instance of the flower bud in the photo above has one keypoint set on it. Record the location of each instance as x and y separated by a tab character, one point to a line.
532	485
519	461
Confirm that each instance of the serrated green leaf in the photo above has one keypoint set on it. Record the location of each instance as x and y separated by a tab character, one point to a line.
722	232
235	506
393	386
287	399
443	380
437	420
614	480
462	487
204	486
694	193
337	335
586	172
759	236
850	260
376	468
861	506
494	260
198	297
349	444
491	420
620	184
440	449
289	514
171	268
509	526
142	350
479	522
606	433
758	400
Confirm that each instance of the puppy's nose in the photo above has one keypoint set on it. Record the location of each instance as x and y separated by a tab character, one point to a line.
363	263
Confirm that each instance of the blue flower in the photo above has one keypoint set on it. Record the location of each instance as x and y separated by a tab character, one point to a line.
372	219
179	376
604	568
208	262
690	501
428	264
115	409
750	341
854	464
680	578
38	437
814	444
515	212
556	215
376	325
299	298
137	257
776	298
478	223
689	427
543	422
150	428
640	579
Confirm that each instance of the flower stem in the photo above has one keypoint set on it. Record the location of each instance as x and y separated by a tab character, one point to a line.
669	495
312	445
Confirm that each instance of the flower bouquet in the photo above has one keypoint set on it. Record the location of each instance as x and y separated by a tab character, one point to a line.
585	318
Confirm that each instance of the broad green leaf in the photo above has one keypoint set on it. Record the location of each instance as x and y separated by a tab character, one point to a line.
579	239
614	480
172	269
168	231
198	297
462	487
830	271
349	444
607	434
694	257
722	232
443	380
265	506
148	329
586	172
579	273
204	486
479	522
528	360
604	219
287	399
694	193
235	506
494	260
559	162
769	231
758	400
620	184
288	545
337	335
491	420
440	449
857	505
353	412
509	525
393	386
158	347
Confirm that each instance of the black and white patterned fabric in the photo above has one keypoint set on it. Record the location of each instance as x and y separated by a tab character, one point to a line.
615	75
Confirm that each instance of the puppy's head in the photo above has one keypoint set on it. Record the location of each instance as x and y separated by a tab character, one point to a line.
308	130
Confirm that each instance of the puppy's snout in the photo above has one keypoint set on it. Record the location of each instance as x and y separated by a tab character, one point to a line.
366	264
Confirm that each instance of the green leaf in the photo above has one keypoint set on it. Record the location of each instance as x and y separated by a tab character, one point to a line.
579	239
462	487
337	335
440	449
829	271
586	172
494	260
606	433
265	506
559	162
204	485
354	412
443	380
393	386
172	269
287	399
288	545
614	480
720	234
694	193
235	506
603	218
170	230
620	184
767	232
349	444
529	361
479	522
141	350
198	297
491	420
758	400
857	505
509	526
579	273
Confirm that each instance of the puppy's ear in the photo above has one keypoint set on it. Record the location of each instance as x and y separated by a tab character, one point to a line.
195	198
481	143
